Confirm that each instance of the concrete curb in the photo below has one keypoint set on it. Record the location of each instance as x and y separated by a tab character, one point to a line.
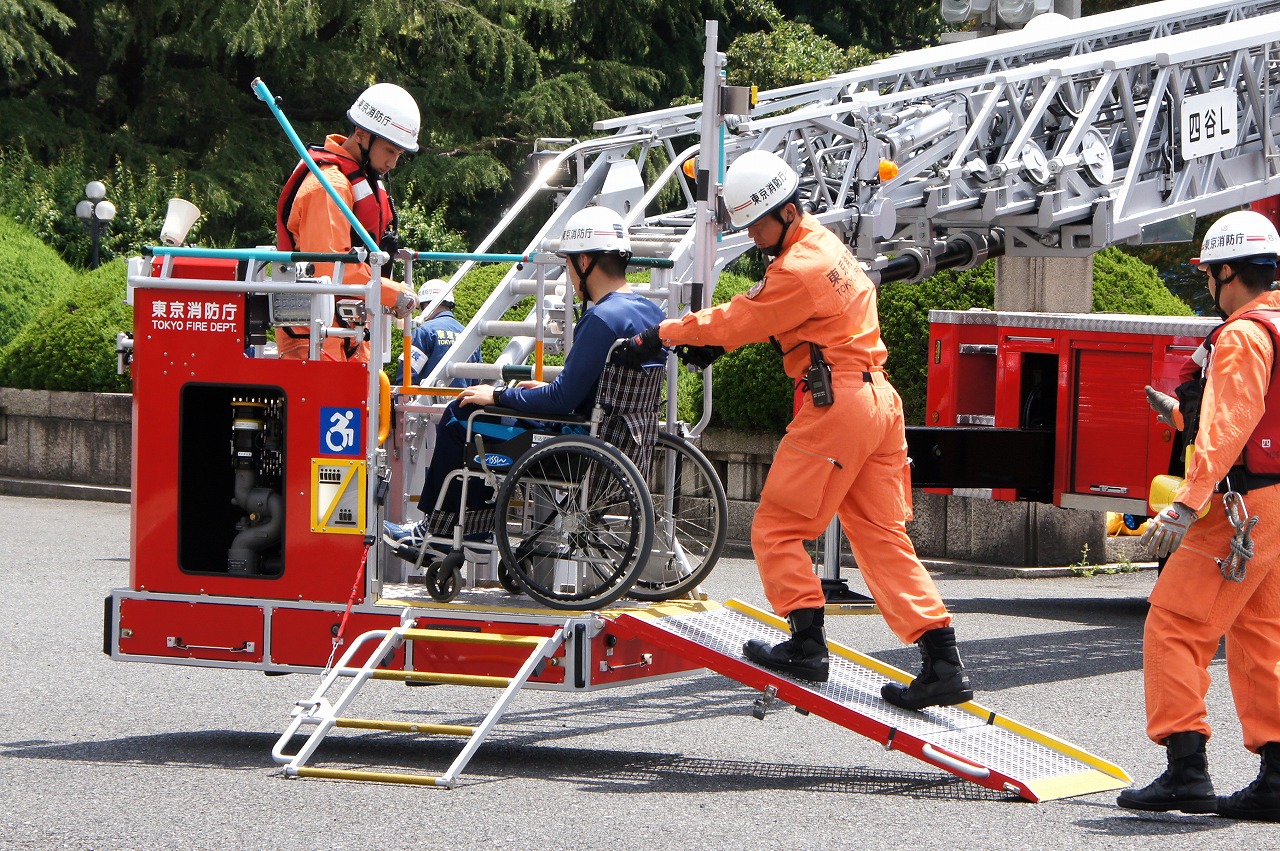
10	486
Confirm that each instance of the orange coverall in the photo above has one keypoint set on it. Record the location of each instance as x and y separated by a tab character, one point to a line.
1192	605
318	225
848	458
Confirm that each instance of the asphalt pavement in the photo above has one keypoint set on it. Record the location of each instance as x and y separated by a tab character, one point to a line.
97	754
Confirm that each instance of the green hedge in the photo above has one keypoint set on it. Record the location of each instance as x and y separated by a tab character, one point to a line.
750	392
904	324
1123	283
31	276
70	344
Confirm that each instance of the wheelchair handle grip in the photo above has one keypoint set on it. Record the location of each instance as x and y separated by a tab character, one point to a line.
517	372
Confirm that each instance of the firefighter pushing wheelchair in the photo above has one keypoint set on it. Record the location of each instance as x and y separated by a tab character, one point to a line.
585	509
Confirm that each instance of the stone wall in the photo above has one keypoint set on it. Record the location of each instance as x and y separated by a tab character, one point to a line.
52	442
78	444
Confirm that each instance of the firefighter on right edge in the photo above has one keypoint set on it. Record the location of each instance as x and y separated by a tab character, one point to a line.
1213	583
844	452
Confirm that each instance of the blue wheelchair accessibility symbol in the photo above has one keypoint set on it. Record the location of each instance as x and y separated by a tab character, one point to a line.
340	432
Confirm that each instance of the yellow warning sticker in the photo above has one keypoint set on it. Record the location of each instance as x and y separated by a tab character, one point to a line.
338	496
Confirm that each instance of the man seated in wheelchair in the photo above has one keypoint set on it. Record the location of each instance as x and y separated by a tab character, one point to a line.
596	248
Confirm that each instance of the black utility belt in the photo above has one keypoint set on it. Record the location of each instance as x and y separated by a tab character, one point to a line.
1242	481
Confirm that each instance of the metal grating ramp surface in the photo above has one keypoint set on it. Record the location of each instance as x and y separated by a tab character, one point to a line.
969	741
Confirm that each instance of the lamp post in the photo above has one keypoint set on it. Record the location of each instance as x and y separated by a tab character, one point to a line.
96	212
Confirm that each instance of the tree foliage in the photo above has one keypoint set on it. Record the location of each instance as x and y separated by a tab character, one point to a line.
166	86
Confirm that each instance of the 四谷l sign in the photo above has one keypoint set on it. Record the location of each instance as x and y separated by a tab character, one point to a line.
1209	123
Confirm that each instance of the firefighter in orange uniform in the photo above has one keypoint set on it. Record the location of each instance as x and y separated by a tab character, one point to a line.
385	121
844	452
1203	593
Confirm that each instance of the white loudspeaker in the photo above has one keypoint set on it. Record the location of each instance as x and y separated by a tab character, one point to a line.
182	215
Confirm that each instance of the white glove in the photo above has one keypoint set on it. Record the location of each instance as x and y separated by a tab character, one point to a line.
1163	404
406	303
1165	531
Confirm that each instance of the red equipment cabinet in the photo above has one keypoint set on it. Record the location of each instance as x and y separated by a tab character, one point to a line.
227	444
1076	381
188	372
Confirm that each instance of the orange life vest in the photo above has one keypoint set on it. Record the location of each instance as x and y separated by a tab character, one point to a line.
372	204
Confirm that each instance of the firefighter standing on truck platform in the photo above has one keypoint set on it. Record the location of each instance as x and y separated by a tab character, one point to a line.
844	452
1210	587
385	121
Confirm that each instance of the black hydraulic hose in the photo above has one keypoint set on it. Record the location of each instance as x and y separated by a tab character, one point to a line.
966	249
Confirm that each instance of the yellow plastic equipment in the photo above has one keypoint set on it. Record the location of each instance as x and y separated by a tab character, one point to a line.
1160	494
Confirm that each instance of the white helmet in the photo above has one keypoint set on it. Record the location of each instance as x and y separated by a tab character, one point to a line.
592	230
757	183
431	290
386	110
1242	235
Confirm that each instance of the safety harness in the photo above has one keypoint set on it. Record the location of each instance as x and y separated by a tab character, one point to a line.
1261	467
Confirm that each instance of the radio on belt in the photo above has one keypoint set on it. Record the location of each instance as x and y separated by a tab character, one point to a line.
819	378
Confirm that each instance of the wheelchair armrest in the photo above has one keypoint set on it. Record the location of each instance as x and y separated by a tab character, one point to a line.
499	411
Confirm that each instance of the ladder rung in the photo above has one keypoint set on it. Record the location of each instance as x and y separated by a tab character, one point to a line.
529	286
460	637
448	679
371	776
494	371
518	328
405	727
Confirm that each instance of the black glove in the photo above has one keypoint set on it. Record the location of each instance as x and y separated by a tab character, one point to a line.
699	357
639	350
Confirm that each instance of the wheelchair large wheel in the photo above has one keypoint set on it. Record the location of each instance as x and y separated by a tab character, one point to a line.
690	520
574	524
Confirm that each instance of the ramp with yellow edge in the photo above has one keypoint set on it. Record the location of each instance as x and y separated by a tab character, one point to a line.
968	741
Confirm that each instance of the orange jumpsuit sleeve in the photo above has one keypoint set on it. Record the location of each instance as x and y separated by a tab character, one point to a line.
1234	399
769	310
320	226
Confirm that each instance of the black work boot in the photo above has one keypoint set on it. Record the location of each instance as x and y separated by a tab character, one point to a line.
942	680
1260	800
1185	784
803	655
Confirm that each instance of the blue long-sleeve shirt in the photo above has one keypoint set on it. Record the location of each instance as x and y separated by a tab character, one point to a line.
618	314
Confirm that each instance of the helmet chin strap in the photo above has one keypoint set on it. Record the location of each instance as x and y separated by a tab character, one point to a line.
776	249
365	164
1217	293
583	274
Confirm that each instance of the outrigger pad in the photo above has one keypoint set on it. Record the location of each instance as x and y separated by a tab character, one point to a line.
968	740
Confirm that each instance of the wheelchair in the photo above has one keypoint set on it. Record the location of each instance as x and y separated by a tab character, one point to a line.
586	510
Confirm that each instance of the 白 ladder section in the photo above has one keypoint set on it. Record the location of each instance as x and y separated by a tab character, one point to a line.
324	716
968	741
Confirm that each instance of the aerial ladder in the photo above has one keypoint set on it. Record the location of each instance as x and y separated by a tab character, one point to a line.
1115	128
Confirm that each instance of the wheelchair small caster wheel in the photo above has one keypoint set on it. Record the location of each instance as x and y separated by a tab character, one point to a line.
444	578
506	579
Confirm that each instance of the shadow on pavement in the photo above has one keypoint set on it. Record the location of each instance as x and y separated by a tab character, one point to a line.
596	769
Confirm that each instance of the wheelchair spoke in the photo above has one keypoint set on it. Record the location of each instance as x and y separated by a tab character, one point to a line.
573	522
